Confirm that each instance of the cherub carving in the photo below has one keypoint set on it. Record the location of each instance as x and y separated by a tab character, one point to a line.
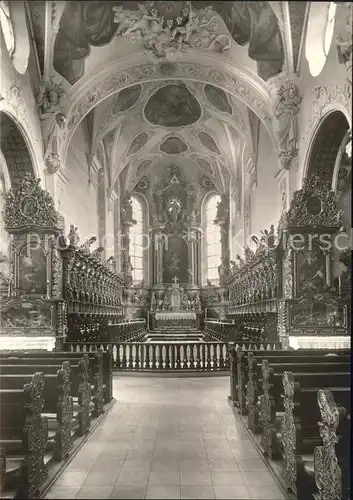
73	236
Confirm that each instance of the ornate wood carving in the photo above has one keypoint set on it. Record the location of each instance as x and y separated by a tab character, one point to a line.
328	476
84	395
290	433
63	438
267	412
35	436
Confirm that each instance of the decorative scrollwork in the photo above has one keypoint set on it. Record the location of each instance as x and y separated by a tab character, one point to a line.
289	433
27	204
328	476
63	438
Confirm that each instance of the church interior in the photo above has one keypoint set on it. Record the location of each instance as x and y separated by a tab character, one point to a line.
175	249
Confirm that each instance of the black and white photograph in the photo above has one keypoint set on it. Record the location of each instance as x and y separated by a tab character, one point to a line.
175	249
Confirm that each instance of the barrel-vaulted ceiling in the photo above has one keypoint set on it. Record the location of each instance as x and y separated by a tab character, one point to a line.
185	122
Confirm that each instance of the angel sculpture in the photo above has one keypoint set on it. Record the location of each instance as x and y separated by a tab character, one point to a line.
98	253
73	236
88	243
48	96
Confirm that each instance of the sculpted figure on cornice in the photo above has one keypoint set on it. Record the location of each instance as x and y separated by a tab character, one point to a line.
73	236
126	210
222	211
96	23
54	136
48	96
287	104
344	43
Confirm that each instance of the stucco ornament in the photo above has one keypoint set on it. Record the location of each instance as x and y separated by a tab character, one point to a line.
163	36
286	108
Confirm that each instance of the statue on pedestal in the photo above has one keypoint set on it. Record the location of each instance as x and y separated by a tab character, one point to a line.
73	236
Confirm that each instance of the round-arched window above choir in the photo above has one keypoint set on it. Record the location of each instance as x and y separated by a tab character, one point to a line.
319	35
330	26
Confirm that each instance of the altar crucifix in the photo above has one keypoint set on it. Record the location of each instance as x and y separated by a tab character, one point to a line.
175	280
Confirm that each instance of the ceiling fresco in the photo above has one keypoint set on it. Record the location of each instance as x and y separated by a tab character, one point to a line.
173	146
163	29
126	99
218	98
208	142
173	106
137	143
205	164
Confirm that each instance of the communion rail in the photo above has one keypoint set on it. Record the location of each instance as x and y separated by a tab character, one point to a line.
168	356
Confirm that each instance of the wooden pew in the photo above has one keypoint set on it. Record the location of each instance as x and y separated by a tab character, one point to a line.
100	364
23	437
301	434
239	373
300	362
58	404
81	389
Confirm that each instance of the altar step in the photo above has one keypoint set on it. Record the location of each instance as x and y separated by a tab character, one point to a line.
173	336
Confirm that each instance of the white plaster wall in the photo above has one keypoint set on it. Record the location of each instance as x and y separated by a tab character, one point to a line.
79	201
264	198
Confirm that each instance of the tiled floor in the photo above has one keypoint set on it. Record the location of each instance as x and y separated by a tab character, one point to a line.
168	438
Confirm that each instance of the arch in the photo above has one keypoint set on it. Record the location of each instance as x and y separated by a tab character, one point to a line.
117	75
343	165
15	149
314	130
326	144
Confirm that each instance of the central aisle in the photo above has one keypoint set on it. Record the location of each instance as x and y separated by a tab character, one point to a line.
168	438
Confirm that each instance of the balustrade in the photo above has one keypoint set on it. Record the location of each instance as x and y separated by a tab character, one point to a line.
163	356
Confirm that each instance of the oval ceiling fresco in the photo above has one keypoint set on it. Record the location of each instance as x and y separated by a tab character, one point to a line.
218	98
143	167
126	98
137	143
205	165
208	142
173	146
173	106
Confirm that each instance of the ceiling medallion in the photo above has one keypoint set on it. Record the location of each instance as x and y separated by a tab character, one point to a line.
166	28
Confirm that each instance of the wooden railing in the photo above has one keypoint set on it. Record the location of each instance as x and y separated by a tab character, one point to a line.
125	331
144	356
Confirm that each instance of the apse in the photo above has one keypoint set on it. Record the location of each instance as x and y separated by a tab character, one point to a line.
173	106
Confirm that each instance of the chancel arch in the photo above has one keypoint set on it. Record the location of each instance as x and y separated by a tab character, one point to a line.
326	144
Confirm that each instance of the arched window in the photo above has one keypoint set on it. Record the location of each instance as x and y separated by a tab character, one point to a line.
136	241
213	239
319	34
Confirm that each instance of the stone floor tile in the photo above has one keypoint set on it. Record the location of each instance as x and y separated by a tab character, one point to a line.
163	492
128	493
226	478
62	492
195	478
102	478
197	492
164	478
95	492
222	464
265	492
133	478
72	478
258	478
234	492
251	464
